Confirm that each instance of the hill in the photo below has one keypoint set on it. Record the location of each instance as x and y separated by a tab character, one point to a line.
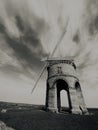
33	117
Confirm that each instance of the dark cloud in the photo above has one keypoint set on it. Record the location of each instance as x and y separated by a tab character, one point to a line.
27	49
92	17
2	28
96	23
76	37
9	69
19	23
93	26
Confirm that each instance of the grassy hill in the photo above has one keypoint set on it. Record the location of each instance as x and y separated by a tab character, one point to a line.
33	117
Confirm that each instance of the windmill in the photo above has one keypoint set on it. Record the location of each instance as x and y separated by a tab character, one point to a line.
62	76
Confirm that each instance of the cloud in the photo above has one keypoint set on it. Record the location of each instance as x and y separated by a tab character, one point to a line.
20	44
29	30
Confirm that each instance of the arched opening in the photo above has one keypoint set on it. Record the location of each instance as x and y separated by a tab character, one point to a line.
64	100
63	97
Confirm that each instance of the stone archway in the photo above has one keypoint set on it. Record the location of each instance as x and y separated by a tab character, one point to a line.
62	85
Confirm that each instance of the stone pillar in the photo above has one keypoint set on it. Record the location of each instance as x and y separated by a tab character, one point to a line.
52	99
69	101
58	100
80	97
74	101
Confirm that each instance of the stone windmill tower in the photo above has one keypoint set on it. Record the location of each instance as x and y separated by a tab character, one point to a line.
62	76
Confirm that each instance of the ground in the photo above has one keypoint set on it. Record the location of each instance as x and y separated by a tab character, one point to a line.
32	117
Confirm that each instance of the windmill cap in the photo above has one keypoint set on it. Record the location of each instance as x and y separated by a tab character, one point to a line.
67	60
60	59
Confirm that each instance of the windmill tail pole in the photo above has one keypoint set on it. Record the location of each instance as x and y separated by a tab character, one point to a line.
43	69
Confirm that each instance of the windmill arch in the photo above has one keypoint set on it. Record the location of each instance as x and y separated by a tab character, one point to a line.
61	84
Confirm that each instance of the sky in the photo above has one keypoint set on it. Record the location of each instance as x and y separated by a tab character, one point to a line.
29	31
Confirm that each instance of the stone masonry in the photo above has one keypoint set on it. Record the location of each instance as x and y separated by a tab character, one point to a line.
62	76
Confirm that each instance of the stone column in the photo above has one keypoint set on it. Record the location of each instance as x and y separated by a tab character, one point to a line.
52	99
58	100
74	101
82	105
47	96
69	100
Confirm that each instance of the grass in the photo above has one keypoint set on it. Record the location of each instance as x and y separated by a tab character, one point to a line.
37	119
41	120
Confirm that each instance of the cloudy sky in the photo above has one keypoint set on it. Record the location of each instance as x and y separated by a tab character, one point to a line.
30	29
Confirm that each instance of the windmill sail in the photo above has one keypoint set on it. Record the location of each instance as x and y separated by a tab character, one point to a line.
51	55
42	71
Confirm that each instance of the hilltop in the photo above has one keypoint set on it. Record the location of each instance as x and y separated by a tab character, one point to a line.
33	117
